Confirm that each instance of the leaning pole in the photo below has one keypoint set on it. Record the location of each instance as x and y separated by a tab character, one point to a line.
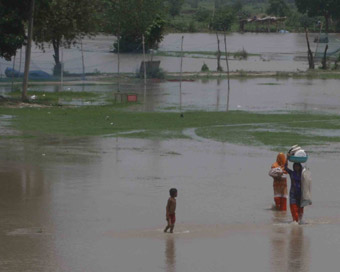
28	52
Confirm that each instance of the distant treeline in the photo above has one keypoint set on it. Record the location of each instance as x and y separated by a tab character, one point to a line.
196	15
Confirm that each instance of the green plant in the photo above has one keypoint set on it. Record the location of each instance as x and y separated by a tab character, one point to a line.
241	54
205	68
202	15
192	26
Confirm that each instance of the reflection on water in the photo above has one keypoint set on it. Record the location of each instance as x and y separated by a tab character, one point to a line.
289	246
298	255
170	254
279	243
24	223
256	94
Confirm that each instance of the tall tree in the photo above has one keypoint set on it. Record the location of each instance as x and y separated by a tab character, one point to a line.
63	23
278	8
131	19
13	16
326	8
222	21
175	6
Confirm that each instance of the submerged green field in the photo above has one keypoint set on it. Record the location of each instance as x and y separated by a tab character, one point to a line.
275	130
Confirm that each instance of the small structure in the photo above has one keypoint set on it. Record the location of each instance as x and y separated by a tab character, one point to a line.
125	98
265	22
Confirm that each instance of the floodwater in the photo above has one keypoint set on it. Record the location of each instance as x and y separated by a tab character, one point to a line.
98	204
279	52
254	94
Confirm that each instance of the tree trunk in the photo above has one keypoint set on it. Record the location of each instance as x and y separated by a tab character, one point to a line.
219	68
324	59
309	52
56	56
28	53
326	23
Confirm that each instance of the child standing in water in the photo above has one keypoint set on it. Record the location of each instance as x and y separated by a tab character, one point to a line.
295	193
171	210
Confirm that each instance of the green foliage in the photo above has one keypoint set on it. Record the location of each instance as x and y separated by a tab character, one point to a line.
306	22
192	26
241	54
278	8
319	7
272	130
326	8
193	3
64	22
152	72
223	19
131	19
202	15
205	68
52	98
175	6
13	16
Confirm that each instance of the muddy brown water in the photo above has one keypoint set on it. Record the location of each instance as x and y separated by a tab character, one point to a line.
98	204
279	52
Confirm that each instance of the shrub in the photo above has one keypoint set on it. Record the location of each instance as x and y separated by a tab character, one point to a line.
241	54
202	15
204	68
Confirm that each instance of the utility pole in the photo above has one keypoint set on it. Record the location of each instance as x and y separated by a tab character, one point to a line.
13	71
20	60
118	47
144	71
82	58
228	73
180	82
62	69
28	52
144	63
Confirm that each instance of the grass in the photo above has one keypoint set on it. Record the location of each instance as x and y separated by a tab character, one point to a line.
273	130
200	54
53	98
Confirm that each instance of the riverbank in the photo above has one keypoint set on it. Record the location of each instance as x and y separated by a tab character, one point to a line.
107	78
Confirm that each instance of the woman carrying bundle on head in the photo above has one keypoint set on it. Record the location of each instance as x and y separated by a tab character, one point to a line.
279	175
300	189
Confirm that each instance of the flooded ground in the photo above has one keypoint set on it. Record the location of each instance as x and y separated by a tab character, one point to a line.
279	52
255	94
98	203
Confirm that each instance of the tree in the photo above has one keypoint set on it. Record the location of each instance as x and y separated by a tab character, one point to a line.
63	23
130	20
175	6
13	16
326	8
222	21
278	8
194	3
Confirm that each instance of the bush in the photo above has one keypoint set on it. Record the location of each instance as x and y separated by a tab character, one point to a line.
152	73
241	54
192	27
204	68
202	15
